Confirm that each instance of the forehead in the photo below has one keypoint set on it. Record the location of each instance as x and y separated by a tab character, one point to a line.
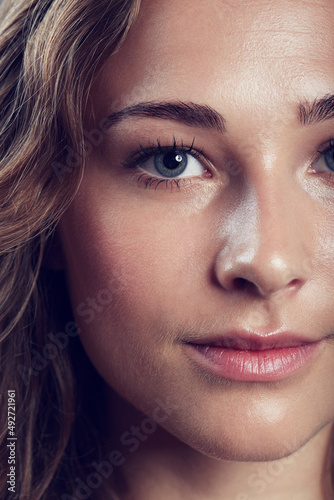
235	50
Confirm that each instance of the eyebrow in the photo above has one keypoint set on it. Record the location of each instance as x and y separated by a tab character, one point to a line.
317	111
205	116
192	114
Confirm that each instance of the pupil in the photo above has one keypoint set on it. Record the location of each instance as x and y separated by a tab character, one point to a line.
172	160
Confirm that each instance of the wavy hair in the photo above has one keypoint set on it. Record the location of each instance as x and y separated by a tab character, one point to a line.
50	51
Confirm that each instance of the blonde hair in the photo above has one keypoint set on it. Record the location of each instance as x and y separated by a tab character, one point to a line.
50	51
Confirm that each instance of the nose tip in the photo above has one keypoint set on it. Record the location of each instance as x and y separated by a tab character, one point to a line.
260	274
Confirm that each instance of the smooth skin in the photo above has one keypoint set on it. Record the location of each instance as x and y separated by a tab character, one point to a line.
245	243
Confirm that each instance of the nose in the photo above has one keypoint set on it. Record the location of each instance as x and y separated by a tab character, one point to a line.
266	243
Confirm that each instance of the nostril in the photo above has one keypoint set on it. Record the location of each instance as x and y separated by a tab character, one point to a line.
245	285
293	283
241	283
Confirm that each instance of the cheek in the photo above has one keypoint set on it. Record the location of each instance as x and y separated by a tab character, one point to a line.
141	263
149	255
128	276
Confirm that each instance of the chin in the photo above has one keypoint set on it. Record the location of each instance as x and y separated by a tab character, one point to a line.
244	452
260	445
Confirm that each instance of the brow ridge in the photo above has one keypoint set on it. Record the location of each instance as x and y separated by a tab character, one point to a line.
192	114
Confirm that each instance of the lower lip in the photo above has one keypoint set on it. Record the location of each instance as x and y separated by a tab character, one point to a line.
253	366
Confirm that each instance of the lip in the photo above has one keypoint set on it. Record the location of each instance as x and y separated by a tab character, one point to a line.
247	357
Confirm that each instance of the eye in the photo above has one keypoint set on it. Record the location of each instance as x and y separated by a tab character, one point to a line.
169	163
325	162
172	164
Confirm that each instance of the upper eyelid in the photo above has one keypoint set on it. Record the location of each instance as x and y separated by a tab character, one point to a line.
326	146
144	153
153	148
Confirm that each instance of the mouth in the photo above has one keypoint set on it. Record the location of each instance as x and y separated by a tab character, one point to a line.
252	358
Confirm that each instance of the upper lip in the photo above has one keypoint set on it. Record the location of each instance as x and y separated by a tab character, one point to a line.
243	340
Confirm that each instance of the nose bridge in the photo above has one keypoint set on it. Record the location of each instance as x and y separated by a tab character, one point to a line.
267	246
278	222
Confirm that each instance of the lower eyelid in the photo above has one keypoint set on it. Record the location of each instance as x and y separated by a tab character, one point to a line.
151	182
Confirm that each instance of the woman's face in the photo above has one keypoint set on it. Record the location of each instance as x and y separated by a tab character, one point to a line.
193	226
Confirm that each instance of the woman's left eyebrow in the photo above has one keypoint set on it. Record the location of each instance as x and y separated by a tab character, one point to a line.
191	114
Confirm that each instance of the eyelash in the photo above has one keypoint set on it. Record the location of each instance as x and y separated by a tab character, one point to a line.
329	145
143	154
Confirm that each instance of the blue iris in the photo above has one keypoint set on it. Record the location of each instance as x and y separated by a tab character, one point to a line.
329	158
171	164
